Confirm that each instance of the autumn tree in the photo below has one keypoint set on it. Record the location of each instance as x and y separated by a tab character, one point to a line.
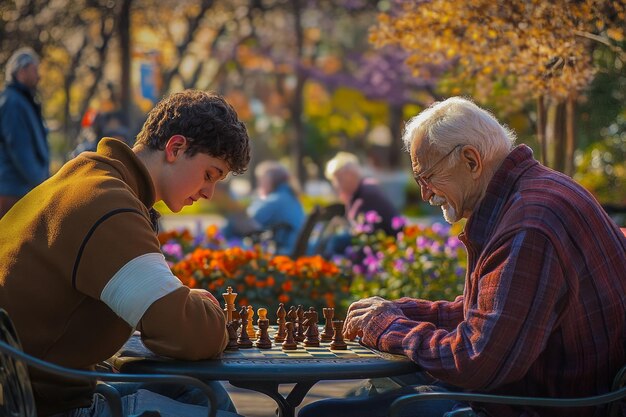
534	49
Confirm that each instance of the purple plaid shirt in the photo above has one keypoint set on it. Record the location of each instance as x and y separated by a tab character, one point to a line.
544	307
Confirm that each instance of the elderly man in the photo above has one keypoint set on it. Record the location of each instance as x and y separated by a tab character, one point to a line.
24	154
544	307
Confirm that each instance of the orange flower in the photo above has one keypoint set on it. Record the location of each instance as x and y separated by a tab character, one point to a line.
283	298
250	279
287	286
270	281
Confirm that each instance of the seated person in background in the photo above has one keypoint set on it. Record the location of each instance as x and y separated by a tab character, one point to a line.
237	222
543	313
277	205
81	262
360	196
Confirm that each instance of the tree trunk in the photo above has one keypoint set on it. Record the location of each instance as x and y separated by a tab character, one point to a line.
559	150
570	129
297	106
125	61
541	130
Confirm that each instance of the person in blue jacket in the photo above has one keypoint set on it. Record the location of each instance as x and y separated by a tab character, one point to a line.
24	152
277	206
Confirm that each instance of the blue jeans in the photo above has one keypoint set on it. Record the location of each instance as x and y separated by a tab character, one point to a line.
168	400
368	401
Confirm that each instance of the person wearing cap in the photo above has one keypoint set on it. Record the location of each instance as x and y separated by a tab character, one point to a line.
24	152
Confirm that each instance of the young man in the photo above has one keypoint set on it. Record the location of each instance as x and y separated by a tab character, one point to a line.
544	308
81	266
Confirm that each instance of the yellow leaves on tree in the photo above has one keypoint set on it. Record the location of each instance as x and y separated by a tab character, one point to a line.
539	48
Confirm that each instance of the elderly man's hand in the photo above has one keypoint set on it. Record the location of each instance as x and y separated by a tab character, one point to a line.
360	312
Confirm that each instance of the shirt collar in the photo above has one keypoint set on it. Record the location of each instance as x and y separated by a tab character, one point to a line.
484	219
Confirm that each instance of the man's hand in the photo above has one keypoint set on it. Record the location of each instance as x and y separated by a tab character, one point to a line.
360	312
206	294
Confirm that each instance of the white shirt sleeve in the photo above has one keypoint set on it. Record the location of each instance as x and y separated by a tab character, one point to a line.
137	285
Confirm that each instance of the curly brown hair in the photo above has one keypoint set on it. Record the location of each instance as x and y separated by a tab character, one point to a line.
208	122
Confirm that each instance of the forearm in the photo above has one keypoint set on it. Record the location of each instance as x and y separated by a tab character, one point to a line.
184	325
443	314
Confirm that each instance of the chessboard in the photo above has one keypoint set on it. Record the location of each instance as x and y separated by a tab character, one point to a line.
354	351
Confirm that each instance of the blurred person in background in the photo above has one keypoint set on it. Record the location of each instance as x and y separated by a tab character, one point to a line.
277	206
360	194
24	152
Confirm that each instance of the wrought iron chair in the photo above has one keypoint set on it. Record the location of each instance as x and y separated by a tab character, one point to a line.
16	395
318	228
610	399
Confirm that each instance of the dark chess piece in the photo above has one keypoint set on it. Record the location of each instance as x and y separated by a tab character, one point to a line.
312	333
338	343
299	326
281	333
289	343
244	341
264	341
232	327
327	334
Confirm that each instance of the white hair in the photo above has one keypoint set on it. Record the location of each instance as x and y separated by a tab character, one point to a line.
342	161
458	121
21	58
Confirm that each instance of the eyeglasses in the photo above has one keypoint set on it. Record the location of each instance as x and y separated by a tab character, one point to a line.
423	178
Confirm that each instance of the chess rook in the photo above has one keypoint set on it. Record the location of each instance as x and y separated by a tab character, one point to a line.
328	333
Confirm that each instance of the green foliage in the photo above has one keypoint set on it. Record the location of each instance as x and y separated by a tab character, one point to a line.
601	168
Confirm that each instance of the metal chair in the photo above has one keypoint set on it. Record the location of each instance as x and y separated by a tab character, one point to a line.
16	395
610	399
319	225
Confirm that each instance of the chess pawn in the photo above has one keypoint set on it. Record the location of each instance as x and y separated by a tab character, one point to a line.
289	343
264	341
262	313
250	328
232	327
244	341
281	320
327	334
338	343
229	305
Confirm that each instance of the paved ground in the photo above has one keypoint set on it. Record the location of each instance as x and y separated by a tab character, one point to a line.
254	404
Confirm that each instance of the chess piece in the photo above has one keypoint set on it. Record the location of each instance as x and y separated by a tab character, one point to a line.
229	306
250	328
289	343
264	341
299	325
338	343
281	320
327	334
244	341
312	333
262	313
232	327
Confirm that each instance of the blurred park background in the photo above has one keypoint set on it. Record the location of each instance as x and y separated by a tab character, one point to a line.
311	77
314	77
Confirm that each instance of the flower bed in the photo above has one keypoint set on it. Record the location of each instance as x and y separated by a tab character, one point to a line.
420	262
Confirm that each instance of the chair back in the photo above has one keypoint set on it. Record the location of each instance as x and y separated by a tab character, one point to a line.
318	226
16	393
